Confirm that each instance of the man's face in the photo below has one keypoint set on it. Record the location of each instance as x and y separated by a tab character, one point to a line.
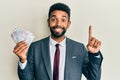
58	23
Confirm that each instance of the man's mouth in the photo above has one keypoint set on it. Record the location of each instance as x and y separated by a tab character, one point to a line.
57	29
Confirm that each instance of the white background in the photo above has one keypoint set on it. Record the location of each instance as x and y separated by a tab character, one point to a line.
103	15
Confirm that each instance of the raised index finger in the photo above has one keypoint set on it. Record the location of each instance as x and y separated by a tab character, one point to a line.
90	33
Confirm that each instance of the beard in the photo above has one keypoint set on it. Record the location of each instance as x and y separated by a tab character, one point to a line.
56	34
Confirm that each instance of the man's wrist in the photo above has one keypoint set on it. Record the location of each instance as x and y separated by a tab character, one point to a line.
22	65
22	60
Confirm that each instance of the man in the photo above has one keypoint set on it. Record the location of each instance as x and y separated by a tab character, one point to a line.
66	61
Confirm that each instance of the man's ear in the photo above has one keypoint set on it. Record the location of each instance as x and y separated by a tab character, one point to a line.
68	25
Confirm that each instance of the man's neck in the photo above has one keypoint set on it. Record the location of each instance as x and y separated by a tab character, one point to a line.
59	39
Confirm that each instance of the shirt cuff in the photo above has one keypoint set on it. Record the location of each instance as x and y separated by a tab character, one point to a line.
98	56
22	65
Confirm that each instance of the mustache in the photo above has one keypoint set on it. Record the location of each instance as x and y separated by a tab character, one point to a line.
58	27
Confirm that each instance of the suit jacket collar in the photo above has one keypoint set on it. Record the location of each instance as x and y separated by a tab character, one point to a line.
46	57
53	42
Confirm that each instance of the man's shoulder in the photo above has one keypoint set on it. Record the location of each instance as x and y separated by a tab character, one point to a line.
43	40
71	41
75	44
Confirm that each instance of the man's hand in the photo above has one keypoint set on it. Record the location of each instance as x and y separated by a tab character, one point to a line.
94	44
20	50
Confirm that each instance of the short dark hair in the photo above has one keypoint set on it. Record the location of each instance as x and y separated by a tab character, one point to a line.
59	6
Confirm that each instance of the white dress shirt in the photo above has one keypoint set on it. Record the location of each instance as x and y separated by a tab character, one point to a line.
62	47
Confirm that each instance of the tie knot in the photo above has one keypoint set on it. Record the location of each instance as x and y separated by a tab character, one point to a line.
57	45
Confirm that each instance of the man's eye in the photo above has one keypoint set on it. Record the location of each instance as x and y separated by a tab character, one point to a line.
53	19
63	20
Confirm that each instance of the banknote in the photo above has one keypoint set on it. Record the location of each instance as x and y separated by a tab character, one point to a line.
20	34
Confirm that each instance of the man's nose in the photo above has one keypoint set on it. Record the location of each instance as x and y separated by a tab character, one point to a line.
58	23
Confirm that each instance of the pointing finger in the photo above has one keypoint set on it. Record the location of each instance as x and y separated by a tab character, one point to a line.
90	33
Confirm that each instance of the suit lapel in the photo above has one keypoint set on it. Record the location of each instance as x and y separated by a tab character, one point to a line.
68	59
46	57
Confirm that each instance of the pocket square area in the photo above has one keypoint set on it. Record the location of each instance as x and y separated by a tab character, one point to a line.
74	57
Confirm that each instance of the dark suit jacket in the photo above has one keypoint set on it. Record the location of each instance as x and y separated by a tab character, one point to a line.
39	66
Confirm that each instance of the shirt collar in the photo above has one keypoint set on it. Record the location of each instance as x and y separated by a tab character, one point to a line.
53	42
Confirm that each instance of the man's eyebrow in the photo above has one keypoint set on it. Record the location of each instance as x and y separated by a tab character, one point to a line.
53	16
64	16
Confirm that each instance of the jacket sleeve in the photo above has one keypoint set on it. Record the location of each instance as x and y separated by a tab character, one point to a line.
28	72
92	65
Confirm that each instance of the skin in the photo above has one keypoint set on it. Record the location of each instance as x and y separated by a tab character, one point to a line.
58	18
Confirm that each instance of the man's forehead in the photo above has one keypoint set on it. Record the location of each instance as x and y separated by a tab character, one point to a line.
59	13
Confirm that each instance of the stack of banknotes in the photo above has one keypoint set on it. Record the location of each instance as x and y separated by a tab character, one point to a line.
19	34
